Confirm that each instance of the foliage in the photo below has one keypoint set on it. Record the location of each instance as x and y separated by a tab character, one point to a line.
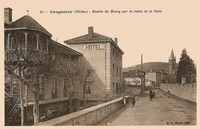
26	65
186	68
75	70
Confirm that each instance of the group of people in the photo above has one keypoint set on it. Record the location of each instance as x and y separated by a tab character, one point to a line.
152	95
132	98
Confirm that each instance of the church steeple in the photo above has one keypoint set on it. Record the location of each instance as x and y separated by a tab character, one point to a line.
172	64
172	54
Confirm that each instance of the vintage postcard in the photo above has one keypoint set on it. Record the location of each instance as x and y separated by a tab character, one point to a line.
100	63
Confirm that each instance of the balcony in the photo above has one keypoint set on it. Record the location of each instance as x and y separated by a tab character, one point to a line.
31	55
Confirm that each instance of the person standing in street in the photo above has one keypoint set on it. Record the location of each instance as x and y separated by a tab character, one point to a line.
133	101
168	93
154	95
158	94
124	101
150	95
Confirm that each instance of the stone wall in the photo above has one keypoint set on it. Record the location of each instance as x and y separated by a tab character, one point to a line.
133	90
89	116
185	91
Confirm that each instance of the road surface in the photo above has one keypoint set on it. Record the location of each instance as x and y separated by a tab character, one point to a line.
161	111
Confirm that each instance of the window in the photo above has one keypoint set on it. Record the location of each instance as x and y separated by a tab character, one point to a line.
113	50
120	70
41	88
65	92
113	88
117	71
54	88
88	88
116	88
113	70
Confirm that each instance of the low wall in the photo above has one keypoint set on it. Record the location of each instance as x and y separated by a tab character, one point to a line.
89	116
185	91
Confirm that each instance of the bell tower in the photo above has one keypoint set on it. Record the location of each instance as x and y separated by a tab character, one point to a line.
172	64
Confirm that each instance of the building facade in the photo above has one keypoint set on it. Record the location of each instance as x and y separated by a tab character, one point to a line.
36	63
104	56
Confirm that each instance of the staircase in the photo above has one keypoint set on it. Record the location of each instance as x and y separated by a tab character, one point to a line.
12	109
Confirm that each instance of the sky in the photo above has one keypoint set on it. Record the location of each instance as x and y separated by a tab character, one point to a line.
152	34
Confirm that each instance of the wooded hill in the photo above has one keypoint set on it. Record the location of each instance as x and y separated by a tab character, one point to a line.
149	67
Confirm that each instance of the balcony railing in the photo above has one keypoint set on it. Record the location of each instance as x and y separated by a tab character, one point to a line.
12	55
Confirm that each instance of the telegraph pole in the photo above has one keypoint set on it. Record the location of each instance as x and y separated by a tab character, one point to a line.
142	76
141	62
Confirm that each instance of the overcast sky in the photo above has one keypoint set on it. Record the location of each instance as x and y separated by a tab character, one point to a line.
154	35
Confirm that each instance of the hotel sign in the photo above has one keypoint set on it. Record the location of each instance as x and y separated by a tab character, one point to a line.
94	47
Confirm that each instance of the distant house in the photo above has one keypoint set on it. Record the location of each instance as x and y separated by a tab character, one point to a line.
154	76
136	81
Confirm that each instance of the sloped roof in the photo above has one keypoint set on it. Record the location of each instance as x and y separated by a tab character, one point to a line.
27	22
65	47
84	38
97	38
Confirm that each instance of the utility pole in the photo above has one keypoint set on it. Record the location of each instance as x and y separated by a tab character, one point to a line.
142	76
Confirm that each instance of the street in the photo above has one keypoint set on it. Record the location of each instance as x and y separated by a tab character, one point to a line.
160	111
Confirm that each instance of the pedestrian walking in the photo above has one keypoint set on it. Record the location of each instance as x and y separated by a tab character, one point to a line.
133	101
168	93
124	101
154	95
158	93
150	95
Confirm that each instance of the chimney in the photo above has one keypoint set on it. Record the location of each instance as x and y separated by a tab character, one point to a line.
115	39
7	15
90	32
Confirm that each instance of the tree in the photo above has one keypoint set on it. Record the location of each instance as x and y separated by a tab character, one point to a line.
28	73
86	80
186	68
69	69
121	87
73	70
27	64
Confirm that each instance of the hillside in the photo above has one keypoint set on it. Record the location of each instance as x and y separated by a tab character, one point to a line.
149	66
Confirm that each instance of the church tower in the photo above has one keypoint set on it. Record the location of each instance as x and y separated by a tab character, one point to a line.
172	64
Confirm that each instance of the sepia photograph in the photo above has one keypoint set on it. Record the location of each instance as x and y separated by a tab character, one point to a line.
100	63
